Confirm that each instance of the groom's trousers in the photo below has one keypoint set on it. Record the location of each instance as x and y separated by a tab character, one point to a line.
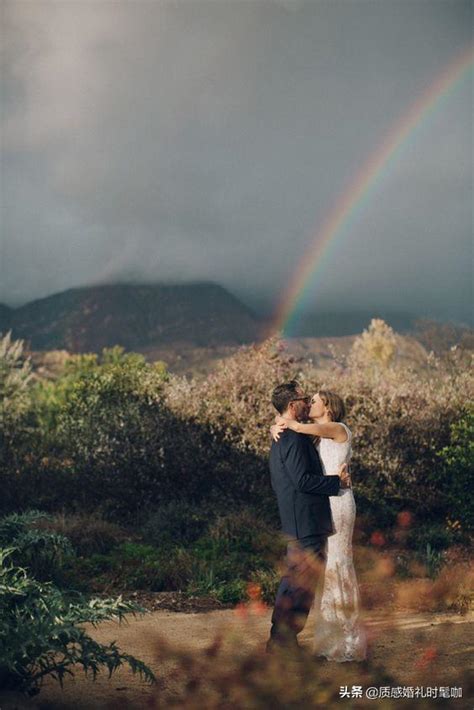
304	563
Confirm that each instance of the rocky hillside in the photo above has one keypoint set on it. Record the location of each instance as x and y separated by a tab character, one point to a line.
134	316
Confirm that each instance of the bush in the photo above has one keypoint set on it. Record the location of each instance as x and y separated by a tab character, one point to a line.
15	403
176	523
237	549
15	377
88	534
399	420
127	453
437	536
136	566
376	347
41	633
457	474
45	554
133	444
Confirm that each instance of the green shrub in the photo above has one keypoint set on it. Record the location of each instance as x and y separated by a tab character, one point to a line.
437	536
230	592
432	559
245	531
236	547
41	632
15	378
15	405
128	454
176	523
132	566
267	581
88	534
457	473
44	554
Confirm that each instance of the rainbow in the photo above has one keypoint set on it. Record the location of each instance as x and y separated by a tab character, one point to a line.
297	294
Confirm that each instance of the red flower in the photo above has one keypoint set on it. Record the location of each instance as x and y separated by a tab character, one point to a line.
254	591
404	519
377	538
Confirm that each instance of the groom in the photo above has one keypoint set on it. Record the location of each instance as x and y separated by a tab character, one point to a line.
302	492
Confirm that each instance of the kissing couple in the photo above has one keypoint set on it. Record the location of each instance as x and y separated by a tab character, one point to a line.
309	460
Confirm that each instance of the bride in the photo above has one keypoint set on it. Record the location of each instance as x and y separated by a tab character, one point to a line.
339	634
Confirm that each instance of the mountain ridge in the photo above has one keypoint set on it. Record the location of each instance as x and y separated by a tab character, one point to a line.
148	317
89	318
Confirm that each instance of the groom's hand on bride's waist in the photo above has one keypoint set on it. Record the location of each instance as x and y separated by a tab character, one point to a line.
345	477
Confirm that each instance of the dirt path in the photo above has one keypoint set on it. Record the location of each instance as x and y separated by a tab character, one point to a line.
397	641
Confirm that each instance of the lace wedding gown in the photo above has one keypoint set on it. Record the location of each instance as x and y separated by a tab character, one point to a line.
339	634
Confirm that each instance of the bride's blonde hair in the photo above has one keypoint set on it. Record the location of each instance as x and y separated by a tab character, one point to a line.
334	404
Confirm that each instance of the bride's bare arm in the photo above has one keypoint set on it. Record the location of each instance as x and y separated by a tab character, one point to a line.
330	430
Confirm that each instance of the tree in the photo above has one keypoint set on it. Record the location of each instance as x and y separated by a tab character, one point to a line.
377	346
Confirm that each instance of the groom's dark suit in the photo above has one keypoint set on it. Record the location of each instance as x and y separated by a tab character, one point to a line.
302	492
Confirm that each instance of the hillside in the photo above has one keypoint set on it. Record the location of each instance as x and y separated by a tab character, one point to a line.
136	317
5	317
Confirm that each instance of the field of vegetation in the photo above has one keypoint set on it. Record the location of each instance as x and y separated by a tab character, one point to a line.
118	477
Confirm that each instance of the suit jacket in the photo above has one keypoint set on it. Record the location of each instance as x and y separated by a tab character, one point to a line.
301	488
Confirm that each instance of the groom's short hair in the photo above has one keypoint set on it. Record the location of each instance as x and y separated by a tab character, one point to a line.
284	394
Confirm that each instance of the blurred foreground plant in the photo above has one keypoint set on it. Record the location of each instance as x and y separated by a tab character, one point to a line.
41	634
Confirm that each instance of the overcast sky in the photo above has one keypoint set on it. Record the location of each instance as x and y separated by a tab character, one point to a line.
190	140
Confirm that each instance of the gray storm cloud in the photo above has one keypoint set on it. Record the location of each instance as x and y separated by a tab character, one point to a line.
201	140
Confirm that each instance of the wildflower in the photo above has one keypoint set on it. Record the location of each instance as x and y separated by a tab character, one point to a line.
404	519
254	591
377	539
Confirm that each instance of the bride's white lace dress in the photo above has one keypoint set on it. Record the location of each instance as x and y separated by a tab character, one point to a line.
339	634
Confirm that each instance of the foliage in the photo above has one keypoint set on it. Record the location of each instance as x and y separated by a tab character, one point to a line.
237	548
44	553
178	522
133	566
15	375
41	632
399	418
235	401
442	337
15	402
232	551
433	560
457	474
88	534
376	347
109	427
229	674
437	536
134	445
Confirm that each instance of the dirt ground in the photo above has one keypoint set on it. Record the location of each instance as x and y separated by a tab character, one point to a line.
396	641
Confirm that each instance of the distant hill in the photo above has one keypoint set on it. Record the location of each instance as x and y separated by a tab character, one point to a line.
341	323
5	317
191	326
135	316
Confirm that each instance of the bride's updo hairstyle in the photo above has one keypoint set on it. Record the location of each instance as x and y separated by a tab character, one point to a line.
334	405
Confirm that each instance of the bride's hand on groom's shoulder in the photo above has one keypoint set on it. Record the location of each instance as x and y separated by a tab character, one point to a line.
276	430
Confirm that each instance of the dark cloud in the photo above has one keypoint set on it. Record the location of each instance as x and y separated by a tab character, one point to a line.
195	140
